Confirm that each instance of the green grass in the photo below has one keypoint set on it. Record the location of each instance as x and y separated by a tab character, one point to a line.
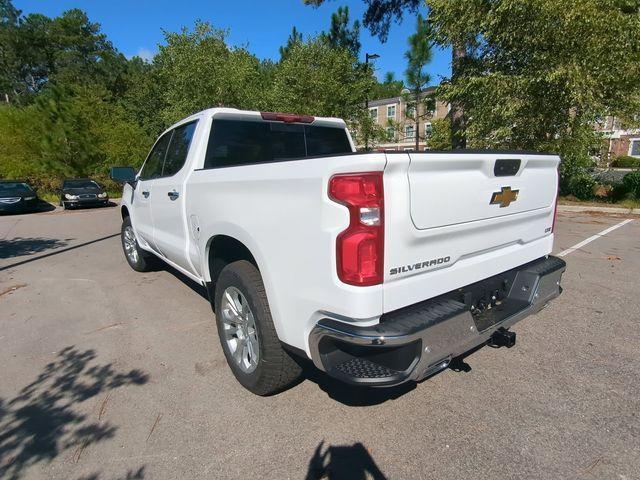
49	197
626	203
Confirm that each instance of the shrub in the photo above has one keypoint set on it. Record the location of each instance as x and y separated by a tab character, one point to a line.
631	183
582	185
603	191
626	161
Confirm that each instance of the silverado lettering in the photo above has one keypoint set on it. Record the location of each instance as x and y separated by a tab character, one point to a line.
417	266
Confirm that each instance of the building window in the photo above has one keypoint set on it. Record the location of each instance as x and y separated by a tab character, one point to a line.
374	114
409	132
634	147
411	111
391	134
428	129
391	111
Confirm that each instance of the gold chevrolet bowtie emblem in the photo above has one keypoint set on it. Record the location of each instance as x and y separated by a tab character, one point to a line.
504	197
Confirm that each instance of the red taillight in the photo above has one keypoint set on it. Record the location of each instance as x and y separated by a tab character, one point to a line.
286	117
360	248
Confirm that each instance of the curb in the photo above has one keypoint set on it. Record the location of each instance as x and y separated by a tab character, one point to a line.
589	208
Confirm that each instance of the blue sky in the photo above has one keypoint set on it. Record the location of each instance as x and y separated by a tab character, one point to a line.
135	26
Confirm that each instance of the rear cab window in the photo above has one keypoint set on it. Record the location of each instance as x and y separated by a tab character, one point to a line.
244	142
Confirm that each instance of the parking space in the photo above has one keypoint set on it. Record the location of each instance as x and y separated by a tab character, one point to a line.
108	373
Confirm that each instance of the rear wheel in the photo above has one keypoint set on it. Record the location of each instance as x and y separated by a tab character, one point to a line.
247	334
138	259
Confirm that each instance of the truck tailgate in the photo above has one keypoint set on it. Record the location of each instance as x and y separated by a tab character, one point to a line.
451	189
452	219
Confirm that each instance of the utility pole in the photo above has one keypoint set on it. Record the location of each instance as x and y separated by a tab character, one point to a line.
368	57
458	119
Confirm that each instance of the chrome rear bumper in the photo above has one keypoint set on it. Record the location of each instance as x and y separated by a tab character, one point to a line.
417	341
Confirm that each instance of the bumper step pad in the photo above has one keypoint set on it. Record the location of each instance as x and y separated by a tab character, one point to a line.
363	368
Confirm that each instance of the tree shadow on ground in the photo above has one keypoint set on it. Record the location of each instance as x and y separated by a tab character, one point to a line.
19	246
43	420
351	462
130	475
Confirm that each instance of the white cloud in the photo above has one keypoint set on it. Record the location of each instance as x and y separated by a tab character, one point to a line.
144	53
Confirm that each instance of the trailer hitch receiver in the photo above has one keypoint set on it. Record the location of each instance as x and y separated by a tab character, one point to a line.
503	338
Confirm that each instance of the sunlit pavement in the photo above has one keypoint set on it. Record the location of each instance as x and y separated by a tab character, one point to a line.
107	373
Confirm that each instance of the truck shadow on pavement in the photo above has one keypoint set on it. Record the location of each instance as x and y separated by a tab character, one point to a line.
354	396
17	247
352	462
351	395
58	249
45	420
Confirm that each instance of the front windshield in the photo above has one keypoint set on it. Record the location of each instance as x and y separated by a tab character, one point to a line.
80	184
15	187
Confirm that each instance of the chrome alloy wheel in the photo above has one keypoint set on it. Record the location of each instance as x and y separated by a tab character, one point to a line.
240	331
130	244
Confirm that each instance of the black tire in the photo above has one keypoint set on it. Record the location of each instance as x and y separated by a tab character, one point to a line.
145	261
275	370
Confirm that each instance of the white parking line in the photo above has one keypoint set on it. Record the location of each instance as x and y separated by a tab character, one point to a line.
592	238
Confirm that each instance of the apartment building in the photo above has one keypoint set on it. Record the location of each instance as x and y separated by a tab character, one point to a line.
396	116
620	141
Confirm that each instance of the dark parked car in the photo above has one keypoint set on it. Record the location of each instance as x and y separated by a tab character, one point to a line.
82	192
17	196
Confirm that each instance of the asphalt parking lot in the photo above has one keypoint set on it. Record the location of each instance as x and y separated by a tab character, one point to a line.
111	374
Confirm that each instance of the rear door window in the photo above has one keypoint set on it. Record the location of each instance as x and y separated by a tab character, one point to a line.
178	149
241	142
327	141
153	166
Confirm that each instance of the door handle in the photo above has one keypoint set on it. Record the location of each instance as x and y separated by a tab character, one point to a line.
145	193
173	195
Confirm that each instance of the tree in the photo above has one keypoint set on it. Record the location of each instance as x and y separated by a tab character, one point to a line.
317	79
295	37
380	13
378	18
143	98
440	138
389	87
418	57
340	35
199	70
68	132
84	133
37	50
542	88
9	61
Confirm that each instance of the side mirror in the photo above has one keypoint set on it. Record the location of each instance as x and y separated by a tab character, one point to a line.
122	174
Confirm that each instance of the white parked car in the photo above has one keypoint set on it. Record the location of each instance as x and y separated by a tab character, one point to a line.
380	267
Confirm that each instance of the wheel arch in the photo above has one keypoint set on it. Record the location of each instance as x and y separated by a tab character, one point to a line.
221	250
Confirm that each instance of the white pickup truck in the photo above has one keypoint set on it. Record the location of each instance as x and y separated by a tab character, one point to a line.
380	267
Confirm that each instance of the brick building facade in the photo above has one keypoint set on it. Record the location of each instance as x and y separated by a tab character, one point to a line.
395	115
618	140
